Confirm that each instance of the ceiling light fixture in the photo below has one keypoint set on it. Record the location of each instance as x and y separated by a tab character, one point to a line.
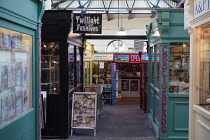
121	29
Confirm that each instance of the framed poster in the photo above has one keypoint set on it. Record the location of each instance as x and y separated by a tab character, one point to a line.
84	111
134	85
125	85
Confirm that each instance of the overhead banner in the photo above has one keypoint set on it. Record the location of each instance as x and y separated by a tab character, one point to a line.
87	23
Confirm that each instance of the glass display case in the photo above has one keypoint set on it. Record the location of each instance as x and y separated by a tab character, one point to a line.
179	68
15	74
50	68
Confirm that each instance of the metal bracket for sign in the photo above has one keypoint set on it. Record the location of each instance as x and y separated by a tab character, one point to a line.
84	108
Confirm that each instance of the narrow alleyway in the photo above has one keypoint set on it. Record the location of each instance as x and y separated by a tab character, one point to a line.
119	122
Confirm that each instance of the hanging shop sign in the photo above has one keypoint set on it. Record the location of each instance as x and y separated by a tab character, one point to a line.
71	57
187	24
201	7
139	46
164	88
103	57
135	58
87	23
120	57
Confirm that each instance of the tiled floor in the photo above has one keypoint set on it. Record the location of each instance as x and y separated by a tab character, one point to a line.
119	122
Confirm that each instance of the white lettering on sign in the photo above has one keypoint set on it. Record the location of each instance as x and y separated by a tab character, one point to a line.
201	7
87	23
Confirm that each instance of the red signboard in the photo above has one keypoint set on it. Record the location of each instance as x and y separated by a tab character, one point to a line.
135	58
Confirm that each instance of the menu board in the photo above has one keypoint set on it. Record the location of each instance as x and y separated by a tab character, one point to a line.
125	85
134	85
84	110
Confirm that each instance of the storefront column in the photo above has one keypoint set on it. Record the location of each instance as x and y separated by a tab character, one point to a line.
81	52
64	88
91	72
164	86
75	66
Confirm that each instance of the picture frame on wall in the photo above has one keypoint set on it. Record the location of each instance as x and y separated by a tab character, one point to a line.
125	85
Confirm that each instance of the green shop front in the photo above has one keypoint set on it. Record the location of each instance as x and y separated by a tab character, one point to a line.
19	69
168	86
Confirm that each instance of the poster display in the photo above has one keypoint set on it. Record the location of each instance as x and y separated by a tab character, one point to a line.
125	85
84	110
15	72
134	85
11	104
11	75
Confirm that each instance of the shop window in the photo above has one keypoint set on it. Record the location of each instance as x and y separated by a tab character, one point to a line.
71	66
15	74
79	62
203	65
179	68
50	68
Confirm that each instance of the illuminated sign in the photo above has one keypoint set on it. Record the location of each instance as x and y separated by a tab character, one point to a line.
121	57
71	57
134	58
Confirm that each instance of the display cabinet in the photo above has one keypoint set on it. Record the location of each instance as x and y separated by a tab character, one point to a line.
179	68
50	68
102	72
106	94
15	74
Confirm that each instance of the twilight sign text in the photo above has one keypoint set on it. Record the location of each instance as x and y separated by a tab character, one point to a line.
87	23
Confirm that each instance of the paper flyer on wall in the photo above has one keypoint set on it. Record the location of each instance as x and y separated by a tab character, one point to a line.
19	101
18	73
11	104
11	75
